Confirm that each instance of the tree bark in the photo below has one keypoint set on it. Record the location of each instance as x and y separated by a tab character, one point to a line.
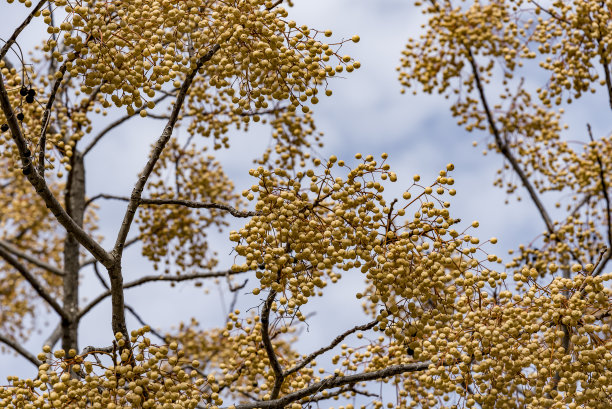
75	207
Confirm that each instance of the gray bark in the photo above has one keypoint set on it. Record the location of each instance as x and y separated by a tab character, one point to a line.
75	207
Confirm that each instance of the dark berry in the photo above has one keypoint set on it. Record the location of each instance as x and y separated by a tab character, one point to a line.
20	116
23	91
4	127
31	93
27	153
27	171
29	99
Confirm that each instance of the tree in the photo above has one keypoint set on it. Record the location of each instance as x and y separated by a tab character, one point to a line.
447	329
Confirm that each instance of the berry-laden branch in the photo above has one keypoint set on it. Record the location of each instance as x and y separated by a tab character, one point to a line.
335	382
503	147
114	270
25	273
39	184
156	152
331	346
180	202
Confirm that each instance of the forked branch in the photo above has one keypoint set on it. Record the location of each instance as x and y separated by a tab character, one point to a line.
335	382
331	346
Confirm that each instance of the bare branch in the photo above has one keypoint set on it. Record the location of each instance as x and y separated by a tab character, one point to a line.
187	203
503	147
51	269
127	307
20	350
335	382
25	273
54	336
155	278
331	346
156	152
265	338
9	43
118	122
143	323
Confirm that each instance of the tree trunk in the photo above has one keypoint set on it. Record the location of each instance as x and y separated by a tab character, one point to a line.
75	207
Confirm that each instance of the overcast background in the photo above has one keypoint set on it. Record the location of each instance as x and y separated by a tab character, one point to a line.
366	114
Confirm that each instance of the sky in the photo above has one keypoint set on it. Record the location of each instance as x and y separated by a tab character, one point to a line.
366	114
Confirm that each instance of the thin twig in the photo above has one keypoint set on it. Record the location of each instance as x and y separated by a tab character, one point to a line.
604	188
187	203
116	123
274	5
20	350
29	277
331	346
45	120
51	269
9	43
155	278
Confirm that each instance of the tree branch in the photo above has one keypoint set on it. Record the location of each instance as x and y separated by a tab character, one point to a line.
20	350
51	269
503	148
41	187
54	336
116	123
279	377
9	43
331	346
180	202
156	152
334	382
127	244
155	278
34	283
604	188
45	121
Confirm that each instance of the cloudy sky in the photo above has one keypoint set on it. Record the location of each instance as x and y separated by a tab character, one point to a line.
366	114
